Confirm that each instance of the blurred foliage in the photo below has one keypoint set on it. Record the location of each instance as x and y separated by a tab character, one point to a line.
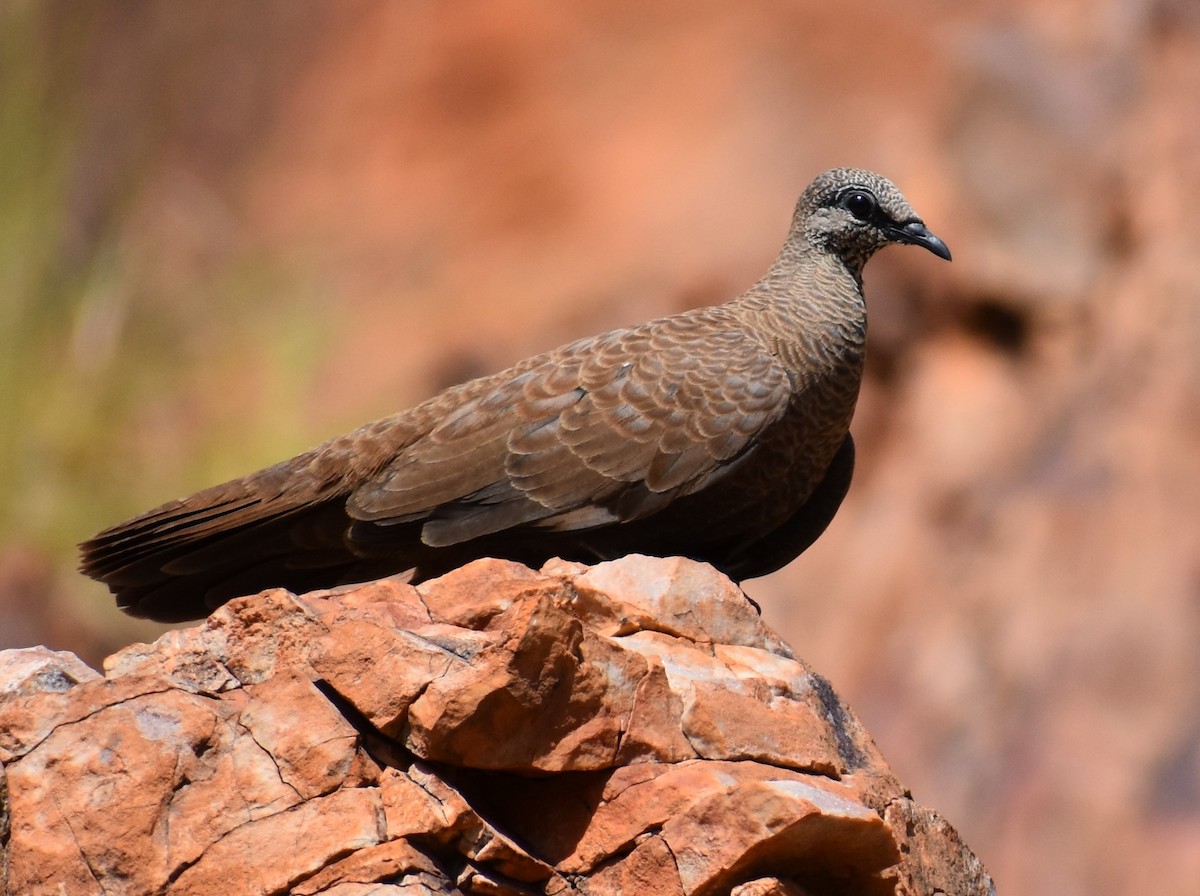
112	352
37	293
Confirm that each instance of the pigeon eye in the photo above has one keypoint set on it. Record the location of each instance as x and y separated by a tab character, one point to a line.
860	204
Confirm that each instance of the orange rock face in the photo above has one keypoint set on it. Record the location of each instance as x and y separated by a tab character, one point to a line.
627	728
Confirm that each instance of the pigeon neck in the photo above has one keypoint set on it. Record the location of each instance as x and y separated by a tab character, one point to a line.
799	255
807	301
819	282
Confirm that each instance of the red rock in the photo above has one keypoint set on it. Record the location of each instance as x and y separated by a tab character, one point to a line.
314	758
40	670
456	598
672	595
266	854
366	867
767	886
498	731
379	669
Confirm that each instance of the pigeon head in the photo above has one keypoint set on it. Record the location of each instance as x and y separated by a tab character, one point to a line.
852	213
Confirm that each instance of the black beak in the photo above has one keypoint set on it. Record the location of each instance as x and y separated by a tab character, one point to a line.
915	233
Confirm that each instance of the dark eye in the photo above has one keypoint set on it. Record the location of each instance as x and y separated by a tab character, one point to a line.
860	203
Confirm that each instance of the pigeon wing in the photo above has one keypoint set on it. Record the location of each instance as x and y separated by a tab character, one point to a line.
605	430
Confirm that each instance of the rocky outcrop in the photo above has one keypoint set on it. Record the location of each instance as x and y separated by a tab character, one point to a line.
626	728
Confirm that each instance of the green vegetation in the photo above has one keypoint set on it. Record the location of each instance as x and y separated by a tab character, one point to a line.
131	368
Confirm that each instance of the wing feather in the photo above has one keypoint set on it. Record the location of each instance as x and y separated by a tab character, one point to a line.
607	428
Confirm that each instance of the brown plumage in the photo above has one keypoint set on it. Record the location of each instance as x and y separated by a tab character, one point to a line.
719	434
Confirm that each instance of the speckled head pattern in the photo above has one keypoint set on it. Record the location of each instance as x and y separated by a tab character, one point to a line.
852	213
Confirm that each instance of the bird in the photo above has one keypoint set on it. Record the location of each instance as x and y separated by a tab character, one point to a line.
720	434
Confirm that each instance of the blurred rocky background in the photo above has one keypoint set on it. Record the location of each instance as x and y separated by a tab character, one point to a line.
229	231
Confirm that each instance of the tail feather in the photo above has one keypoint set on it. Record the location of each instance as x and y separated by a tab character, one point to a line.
182	559
146	536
